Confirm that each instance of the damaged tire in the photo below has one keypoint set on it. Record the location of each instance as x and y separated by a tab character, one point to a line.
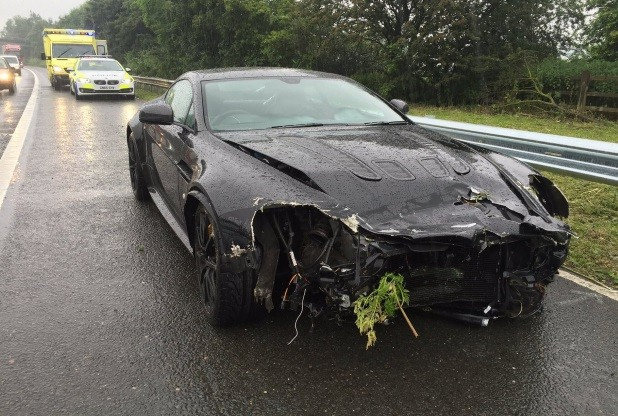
138	182
228	296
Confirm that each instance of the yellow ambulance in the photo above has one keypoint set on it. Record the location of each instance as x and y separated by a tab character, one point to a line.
62	49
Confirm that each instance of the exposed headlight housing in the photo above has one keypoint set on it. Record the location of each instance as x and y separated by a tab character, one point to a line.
5	76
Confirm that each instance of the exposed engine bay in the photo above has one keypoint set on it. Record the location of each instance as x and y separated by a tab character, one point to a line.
307	256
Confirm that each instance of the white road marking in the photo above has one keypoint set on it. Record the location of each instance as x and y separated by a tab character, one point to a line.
9	159
610	293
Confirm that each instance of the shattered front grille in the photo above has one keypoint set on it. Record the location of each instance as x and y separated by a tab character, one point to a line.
476	279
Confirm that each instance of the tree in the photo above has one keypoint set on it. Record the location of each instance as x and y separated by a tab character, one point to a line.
602	32
29	29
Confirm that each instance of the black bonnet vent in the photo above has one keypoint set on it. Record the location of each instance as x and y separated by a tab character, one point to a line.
280	166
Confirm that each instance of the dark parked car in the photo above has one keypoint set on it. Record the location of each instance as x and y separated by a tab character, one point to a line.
13	61
7	77
295	187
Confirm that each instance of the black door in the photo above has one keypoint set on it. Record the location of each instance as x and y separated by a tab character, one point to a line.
169	146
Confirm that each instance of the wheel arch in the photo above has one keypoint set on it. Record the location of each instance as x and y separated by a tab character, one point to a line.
196	197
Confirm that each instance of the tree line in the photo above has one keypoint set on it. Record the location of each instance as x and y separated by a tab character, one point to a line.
446	52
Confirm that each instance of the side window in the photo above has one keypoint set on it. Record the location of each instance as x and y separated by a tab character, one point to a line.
180	98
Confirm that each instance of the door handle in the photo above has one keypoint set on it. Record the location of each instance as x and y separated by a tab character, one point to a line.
185	170
185	138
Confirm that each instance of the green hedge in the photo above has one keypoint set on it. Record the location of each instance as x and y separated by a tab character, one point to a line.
560	75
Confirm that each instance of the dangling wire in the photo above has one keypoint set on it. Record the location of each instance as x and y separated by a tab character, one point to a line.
302	307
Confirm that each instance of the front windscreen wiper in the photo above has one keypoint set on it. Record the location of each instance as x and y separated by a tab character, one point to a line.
385	123
298	125
63	53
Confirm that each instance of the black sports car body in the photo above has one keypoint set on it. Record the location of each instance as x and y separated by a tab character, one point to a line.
295	186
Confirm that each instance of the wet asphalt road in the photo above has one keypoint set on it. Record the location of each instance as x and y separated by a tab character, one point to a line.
99	314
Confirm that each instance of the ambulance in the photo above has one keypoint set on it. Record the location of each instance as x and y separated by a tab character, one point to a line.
62	48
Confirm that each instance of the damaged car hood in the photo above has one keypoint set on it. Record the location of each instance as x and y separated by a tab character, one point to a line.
401	180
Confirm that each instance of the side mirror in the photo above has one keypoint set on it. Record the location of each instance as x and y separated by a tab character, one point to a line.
157	113
127	69
42	56
400	105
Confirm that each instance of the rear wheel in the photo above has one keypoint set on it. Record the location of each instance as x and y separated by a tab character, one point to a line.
228	296
138	182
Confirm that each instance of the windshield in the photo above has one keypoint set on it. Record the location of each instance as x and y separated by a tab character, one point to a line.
262	103
65	50
11	59
99	65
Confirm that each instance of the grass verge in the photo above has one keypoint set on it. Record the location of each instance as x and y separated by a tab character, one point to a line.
593	206
594	219
146	94
603	130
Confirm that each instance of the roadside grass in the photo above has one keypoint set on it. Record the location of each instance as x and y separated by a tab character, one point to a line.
594	219
603	130
145	94
593	206
34	62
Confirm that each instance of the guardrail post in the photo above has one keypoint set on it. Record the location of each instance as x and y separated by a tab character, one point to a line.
583	90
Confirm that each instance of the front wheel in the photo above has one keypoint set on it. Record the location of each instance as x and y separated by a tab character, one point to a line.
76	92
12	89
228	296
138	182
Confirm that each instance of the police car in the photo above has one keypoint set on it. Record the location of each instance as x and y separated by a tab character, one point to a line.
97	75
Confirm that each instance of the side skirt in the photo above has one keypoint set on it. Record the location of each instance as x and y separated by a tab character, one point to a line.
171	220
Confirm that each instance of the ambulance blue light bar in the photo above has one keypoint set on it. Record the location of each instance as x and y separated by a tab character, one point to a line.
86	32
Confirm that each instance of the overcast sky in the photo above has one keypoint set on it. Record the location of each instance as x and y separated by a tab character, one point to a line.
48	9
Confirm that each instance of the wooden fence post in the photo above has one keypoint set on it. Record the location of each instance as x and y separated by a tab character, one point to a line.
583	90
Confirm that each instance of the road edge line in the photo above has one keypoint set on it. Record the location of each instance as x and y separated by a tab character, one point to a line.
610	293
10	157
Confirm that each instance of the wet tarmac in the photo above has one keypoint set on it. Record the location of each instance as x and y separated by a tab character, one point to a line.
99	314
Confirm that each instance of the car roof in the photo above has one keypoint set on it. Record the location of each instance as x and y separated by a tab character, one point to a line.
235	73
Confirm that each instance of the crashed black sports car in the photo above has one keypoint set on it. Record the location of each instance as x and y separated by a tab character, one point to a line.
295	186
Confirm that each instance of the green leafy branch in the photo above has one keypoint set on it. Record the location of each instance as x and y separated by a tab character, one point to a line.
382	303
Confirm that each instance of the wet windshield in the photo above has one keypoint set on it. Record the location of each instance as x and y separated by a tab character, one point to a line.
99	65
65	50
262	103
11	59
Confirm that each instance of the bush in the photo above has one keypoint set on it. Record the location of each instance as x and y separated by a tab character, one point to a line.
560	75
